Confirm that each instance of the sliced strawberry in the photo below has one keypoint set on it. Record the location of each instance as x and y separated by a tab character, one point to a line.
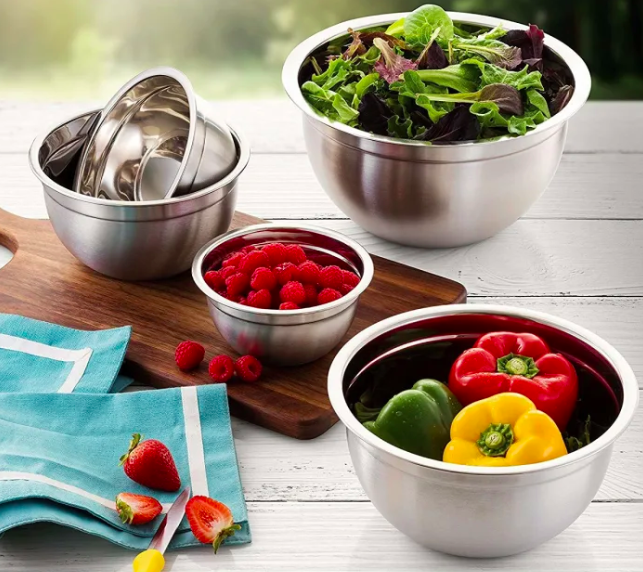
137	509
210	520
150	463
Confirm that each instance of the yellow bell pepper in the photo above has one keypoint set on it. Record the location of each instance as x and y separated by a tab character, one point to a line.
501	431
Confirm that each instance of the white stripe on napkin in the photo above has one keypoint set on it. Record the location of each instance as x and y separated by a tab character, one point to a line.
80	358
194	441
36	478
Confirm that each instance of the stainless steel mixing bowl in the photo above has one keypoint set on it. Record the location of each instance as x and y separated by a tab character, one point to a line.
285	337
155	139
432	195
480	511
134	240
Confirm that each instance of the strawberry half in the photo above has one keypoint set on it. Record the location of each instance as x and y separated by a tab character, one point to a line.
150	463
210	520
137	509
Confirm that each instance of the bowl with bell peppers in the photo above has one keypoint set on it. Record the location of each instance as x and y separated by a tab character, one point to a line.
471	418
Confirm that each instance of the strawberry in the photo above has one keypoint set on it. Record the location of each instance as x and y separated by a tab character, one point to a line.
150	463
137	509
210	520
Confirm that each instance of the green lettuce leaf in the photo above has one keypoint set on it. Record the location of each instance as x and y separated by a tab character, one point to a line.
421	24
536	99
345	113
459	77
402	128
494	51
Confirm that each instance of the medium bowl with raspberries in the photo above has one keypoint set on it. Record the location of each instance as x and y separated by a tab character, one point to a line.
284	293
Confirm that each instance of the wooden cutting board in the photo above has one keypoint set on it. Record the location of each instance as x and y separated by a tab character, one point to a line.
44	281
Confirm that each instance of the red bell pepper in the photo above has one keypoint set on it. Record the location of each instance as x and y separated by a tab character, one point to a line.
522	363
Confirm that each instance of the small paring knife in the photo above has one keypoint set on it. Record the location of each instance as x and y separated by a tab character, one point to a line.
152	560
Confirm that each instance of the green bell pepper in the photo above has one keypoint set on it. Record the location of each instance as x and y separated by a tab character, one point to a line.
418	420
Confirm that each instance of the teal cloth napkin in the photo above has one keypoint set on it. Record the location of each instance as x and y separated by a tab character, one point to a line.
59	457
38	357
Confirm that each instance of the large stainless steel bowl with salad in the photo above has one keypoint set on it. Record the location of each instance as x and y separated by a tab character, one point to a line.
504	456
435	129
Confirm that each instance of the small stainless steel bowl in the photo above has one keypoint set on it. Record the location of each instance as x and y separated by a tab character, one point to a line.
285	337
481	511
432	195
155	139
134	240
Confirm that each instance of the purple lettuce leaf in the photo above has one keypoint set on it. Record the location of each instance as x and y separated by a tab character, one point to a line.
374	114
531	43
561	99
457	125
432	58
391	65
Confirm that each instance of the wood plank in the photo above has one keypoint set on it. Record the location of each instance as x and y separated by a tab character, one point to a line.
606	186
531	258
338	537
274	126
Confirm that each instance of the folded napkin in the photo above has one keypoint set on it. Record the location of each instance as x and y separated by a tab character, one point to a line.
59	457
38	357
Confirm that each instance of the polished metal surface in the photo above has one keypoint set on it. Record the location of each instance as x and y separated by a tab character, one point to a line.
477	511
432	195
285	337
155	139
171	522
136	240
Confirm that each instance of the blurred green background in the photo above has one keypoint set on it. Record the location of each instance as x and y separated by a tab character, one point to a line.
85	49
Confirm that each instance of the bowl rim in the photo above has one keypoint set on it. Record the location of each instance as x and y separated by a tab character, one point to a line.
297	56
346	300
242	162
618	362
117	98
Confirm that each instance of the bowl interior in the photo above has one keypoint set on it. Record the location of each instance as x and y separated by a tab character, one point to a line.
320	248
59	155
395	360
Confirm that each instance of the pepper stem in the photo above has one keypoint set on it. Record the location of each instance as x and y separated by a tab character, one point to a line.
514	364
495	440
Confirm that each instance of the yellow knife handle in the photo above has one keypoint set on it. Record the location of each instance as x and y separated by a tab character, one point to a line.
149	561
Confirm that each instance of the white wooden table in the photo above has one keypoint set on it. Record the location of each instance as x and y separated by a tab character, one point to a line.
578	253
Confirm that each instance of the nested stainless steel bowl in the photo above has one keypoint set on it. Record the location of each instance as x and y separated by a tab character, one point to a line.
155	139
432	195
285	337
133	240
482	511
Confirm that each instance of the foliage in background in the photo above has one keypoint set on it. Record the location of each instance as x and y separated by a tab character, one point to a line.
86	48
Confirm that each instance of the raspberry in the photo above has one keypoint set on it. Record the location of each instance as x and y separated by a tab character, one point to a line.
221	368
248	248
346	288
276	253
233	297
263	278
260	299
189	355
253	260
237	284
227	272
311	295
295	254
328	295
293	292
309	272
248	368
331	277
285	272
232	260
288	306
214	279
350	278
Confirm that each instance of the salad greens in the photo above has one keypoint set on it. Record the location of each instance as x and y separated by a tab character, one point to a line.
430	79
